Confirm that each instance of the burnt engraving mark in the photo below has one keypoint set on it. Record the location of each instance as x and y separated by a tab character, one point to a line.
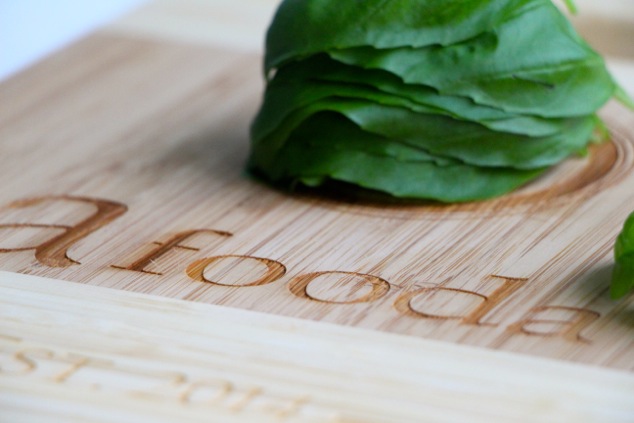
175	242
574	180
379	287
487	303
54	251
274	270
569	329
150	383
243	271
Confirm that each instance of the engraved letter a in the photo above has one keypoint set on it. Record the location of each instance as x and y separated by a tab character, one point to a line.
53	251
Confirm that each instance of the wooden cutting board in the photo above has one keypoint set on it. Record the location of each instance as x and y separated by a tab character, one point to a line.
123	157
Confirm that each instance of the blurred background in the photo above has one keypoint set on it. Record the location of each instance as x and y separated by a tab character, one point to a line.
31	29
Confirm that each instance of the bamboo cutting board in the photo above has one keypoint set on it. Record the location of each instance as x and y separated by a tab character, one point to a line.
122	159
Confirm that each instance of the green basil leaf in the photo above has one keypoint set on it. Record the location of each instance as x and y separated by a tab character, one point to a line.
307	159
433	99
302	28
533	64
623	274
465	141
319	77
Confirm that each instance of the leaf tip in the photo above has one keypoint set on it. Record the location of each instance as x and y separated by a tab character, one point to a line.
572	7
623	97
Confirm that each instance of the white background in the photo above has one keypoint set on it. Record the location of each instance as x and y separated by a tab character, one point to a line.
31	29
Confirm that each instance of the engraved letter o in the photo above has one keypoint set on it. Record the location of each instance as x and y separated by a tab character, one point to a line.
275	270
299	287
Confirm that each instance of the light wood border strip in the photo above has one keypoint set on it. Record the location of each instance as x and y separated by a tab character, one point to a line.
323	372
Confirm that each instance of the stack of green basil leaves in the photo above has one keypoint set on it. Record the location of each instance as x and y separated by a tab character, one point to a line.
447	100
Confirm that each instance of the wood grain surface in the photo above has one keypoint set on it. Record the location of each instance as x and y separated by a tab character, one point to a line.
145	358
122	161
